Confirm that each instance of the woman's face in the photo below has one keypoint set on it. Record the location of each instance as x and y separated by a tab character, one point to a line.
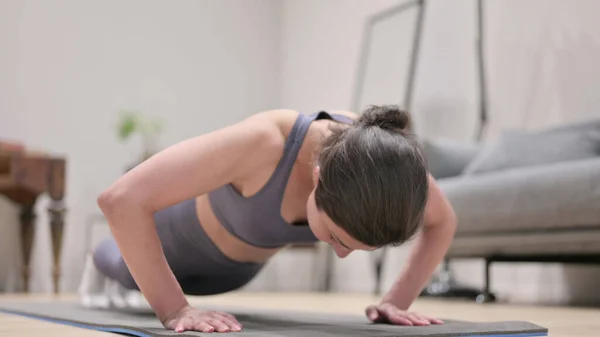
327	231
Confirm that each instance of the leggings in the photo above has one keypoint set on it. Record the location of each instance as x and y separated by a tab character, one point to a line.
199	266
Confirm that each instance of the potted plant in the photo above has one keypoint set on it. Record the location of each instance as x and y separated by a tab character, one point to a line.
133	123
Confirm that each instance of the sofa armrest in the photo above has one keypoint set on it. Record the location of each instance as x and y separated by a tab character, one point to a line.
448	158
539	198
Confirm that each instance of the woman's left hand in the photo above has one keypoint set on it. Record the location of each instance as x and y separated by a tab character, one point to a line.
389	313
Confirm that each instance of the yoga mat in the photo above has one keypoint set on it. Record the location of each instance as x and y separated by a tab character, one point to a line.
258	323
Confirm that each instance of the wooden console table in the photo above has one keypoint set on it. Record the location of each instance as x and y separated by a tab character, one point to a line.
23	178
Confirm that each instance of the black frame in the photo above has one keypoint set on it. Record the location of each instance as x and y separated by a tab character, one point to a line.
482	78
410	80
366	44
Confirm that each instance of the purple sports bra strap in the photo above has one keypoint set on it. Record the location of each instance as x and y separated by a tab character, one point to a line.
294	143
290	152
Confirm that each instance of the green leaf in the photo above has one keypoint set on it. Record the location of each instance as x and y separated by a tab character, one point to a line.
131	122
128	124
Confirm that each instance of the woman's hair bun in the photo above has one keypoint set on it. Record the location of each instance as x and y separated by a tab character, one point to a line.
388	117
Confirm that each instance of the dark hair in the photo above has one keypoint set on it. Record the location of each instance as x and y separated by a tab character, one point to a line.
373	178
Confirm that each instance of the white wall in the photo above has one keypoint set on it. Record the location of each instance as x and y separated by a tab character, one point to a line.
543	70
542	62
68	66
200	65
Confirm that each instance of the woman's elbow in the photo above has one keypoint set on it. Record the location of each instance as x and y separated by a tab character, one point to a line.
108	199
113	199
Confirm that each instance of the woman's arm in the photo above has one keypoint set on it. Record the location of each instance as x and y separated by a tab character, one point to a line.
182	171
430	248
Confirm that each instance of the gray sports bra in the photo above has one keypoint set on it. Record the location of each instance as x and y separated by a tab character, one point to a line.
257	219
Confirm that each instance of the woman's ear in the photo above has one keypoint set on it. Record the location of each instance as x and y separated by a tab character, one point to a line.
315	175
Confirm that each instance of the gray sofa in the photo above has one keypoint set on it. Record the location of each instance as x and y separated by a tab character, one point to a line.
527	196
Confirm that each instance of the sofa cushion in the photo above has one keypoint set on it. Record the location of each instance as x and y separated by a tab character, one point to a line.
448	158
521	149
550	197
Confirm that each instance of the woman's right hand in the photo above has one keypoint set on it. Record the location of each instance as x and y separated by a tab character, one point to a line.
192	319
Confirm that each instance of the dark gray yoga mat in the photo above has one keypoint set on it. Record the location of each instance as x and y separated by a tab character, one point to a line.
263	323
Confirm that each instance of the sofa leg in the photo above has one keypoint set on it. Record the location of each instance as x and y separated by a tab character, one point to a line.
486	287
486	296
444	286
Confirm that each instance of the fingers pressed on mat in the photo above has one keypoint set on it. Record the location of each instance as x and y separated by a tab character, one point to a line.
204	327
218	324
427	319
396	316
372	313
417	319
183	325
433	320
232	324
398	319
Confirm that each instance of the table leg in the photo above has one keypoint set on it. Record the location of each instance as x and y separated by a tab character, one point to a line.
56	210
27	233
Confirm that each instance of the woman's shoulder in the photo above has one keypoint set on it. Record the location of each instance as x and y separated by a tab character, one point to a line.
271	128
276	125
285	118
279	121
280	117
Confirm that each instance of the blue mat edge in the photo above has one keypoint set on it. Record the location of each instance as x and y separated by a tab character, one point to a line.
129	332
132	332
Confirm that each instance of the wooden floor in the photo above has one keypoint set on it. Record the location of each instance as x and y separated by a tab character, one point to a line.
562	321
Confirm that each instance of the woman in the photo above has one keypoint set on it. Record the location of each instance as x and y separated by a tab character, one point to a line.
205	215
